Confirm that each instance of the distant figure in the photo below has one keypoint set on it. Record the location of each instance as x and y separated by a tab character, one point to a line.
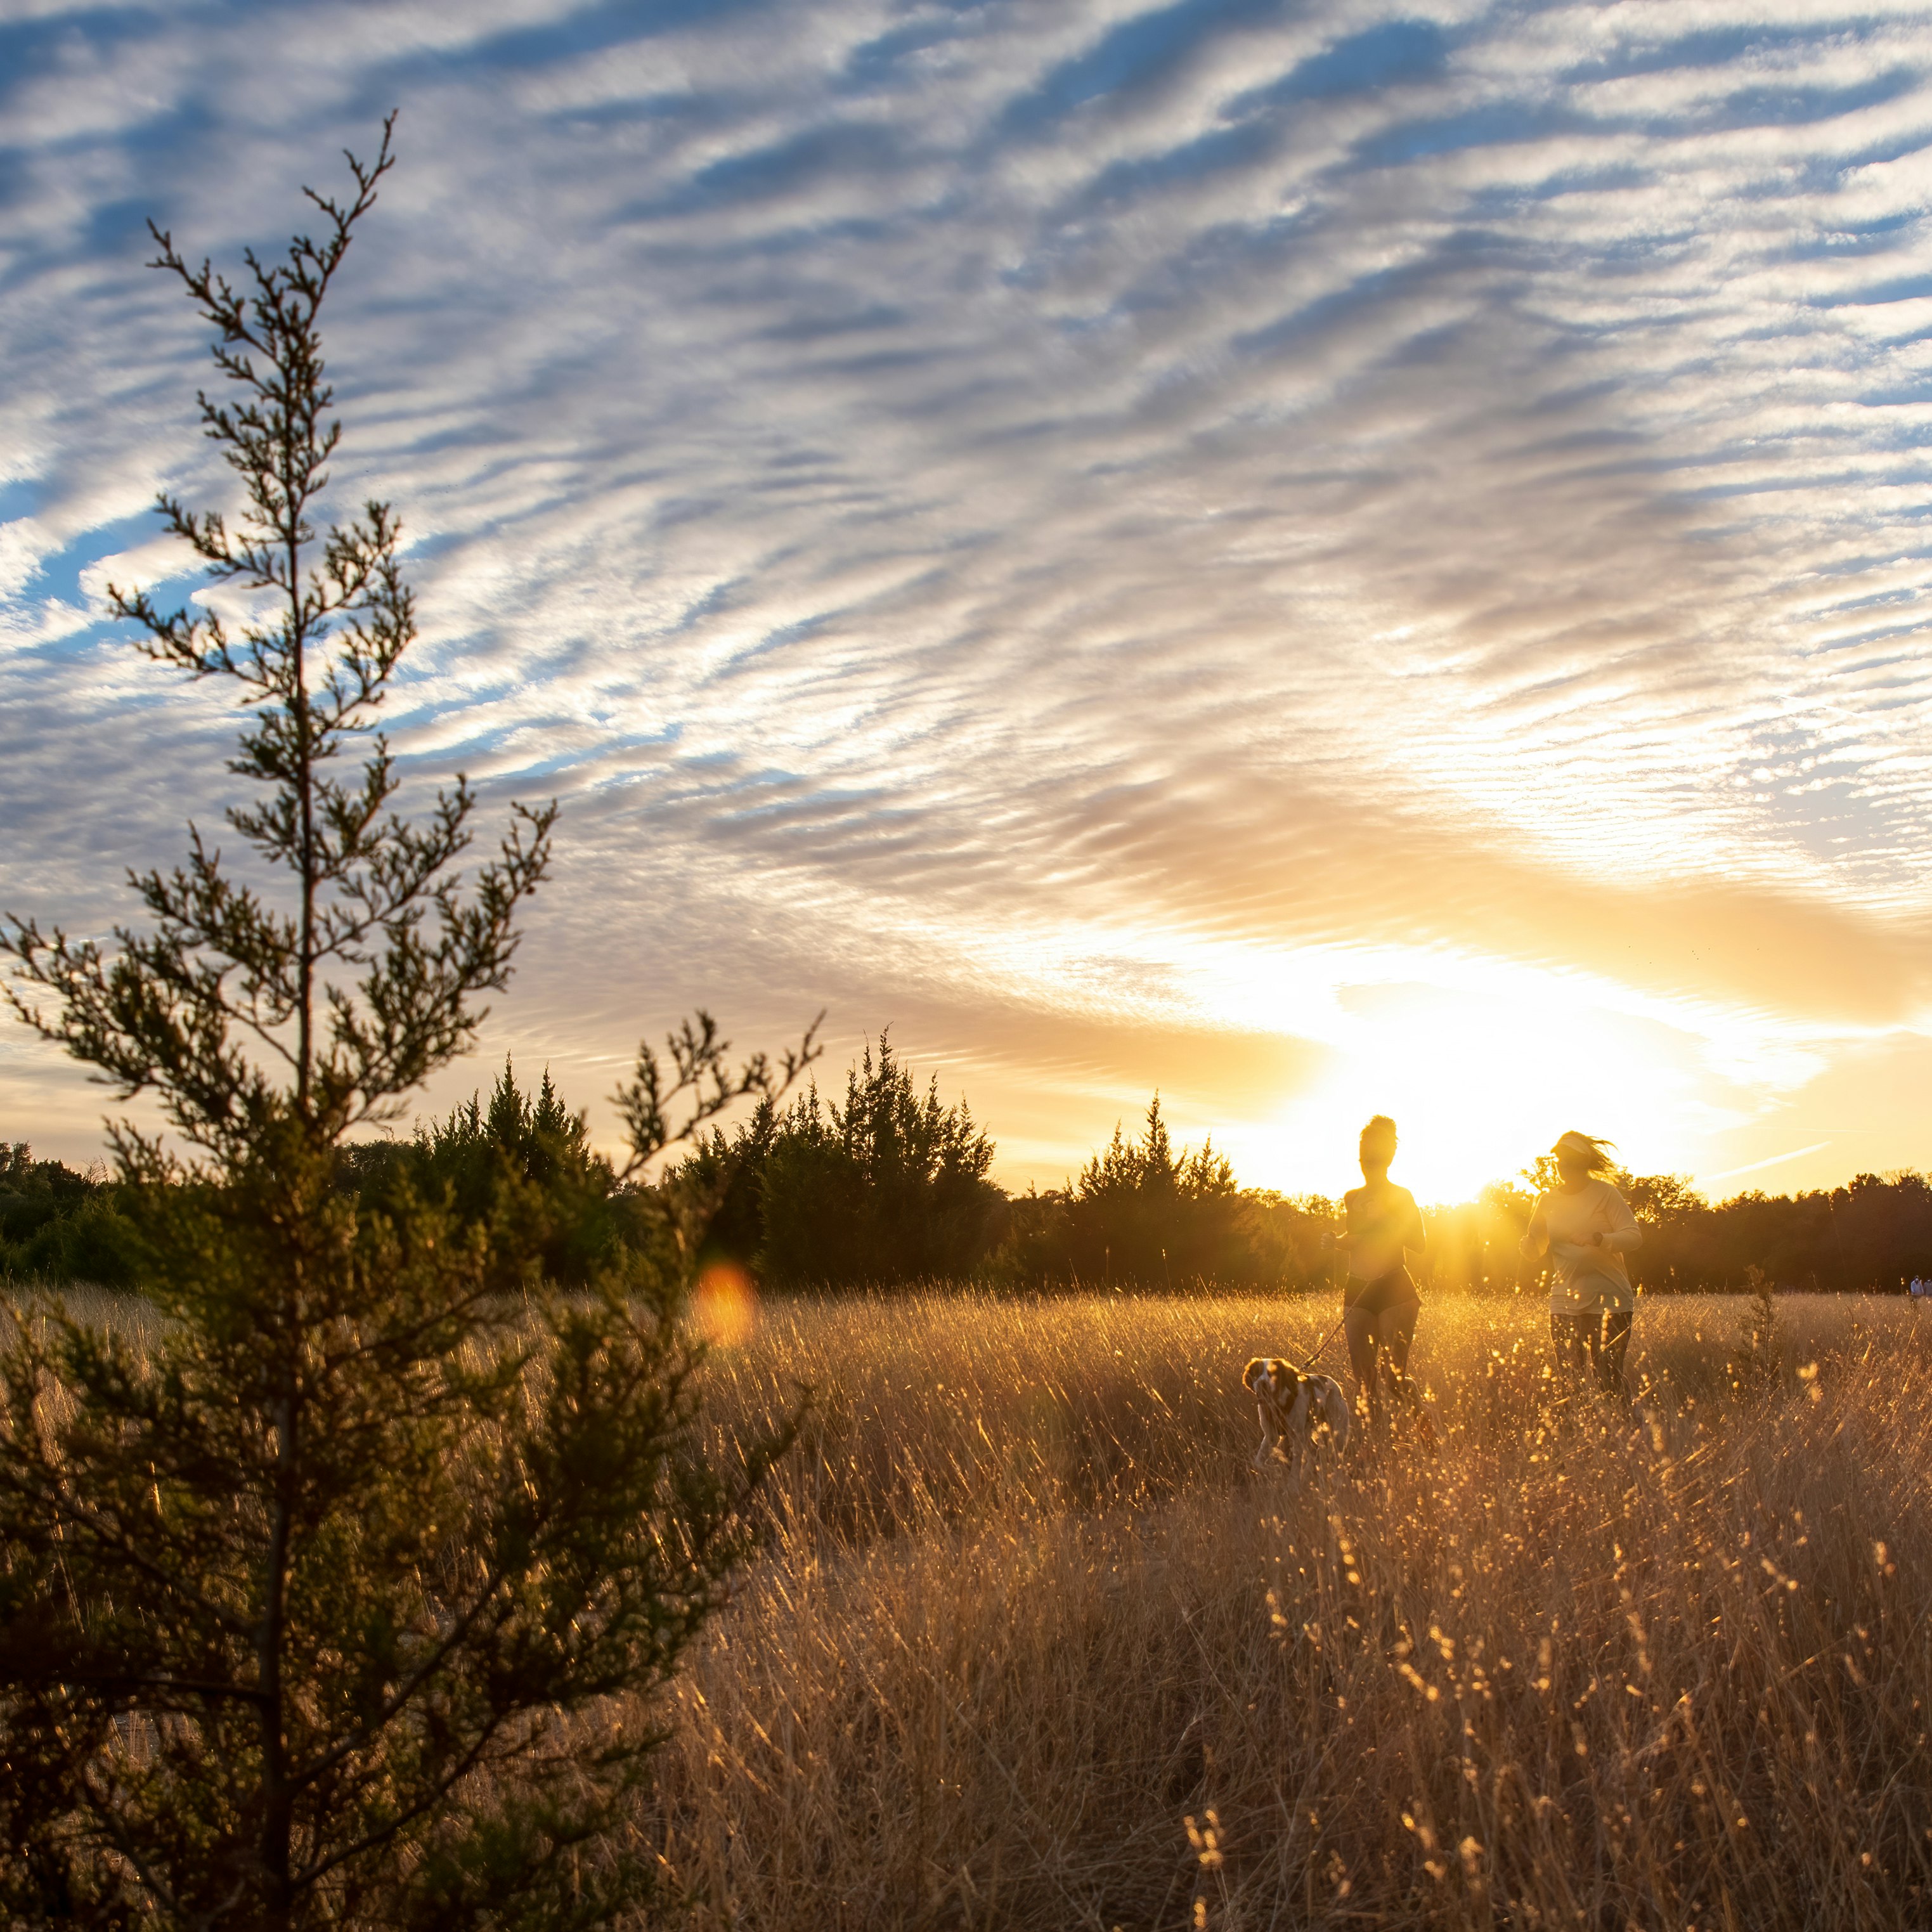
1380	1306
1918	1287
1586	1228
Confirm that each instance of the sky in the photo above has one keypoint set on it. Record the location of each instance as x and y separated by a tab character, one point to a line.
1322	558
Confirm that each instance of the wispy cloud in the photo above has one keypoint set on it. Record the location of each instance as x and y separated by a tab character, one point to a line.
1025	516
1776	1160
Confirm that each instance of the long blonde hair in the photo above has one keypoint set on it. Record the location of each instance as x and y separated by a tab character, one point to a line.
1589	1153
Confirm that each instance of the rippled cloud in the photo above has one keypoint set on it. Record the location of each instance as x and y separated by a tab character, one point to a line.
1318	555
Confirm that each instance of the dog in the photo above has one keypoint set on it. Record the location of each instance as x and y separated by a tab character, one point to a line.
1293	1408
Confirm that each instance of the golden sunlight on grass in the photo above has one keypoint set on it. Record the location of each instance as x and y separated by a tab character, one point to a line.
1032	1647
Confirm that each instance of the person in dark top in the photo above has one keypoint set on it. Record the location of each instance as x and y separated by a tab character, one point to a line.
1380	1305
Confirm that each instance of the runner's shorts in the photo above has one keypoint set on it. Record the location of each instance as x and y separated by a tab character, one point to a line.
1392	1290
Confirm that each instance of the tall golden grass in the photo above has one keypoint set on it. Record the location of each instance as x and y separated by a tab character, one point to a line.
1032	1645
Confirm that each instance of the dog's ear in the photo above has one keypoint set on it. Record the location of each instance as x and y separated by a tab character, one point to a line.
1253	1372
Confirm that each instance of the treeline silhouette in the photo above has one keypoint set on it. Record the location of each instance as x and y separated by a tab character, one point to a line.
888	1183
62	1224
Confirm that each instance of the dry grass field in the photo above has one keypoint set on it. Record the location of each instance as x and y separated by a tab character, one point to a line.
1032	1646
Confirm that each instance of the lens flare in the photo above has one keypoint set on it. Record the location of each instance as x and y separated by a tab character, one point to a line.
725	1307
1480	1083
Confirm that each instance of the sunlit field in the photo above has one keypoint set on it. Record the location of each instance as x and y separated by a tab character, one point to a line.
1032	1646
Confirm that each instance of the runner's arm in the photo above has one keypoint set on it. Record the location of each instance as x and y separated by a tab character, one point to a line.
1624	1233
1536	1236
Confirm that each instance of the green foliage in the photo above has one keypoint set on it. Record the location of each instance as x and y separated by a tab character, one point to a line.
1473	1246
305	1641
1285	1238
1874	1233
1142	1215
331	1589
1657	1200
719	1189
889	1186
523	1159
224	1007
59	1225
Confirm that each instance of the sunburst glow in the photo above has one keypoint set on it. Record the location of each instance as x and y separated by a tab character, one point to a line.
1319	561
1478	1087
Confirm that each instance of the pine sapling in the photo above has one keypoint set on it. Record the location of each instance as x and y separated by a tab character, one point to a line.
330	1591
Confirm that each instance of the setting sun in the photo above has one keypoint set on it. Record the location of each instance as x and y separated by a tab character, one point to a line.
746	825
1478	1085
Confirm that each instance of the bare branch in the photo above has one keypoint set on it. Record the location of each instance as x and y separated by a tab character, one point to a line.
699	1074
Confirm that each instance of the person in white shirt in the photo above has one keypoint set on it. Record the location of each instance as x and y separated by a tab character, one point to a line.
1586	1228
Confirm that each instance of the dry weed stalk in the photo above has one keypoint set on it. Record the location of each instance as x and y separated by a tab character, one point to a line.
1033	1648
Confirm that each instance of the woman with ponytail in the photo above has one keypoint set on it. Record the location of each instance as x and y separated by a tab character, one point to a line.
1380	1306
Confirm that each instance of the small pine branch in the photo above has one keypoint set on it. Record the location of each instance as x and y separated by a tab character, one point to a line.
700	1084
373	976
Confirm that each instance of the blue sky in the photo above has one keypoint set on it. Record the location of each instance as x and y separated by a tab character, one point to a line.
1327	558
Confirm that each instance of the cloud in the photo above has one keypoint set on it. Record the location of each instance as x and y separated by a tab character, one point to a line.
947	492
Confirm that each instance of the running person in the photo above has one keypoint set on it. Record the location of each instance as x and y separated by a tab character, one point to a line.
1586	1228
1380	1306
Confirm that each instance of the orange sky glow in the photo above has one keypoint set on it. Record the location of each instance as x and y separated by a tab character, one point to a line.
1324	560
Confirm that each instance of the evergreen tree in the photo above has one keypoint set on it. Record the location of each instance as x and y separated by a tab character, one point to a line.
1141	1213
718	1190
521	1158
324	1598
889	1186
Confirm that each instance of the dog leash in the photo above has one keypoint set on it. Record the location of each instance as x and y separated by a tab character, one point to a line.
1338	1321
1327	1338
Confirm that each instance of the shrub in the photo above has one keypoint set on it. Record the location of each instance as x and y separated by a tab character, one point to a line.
524	1157
59	1225
1141	1215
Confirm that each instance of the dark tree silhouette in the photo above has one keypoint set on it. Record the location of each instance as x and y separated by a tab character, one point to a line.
889	1185
327	1591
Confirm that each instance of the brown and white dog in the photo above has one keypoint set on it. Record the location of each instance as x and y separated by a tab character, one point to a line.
1294	1409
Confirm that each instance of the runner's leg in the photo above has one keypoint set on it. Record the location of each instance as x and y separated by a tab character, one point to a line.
1614	1347
1360	1324
1396	1333
1573	1354
1591	1327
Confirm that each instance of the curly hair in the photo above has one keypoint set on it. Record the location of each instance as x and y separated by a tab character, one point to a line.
1377	1140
